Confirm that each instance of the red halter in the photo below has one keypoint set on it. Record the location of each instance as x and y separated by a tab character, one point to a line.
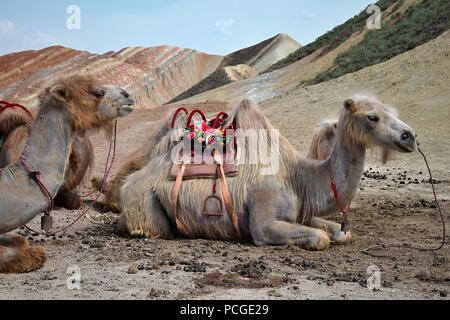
8	105
345	226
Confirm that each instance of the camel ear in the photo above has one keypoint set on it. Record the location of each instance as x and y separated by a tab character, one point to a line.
350	105
59	93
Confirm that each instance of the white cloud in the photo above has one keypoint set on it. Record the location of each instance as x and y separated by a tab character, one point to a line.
6	27
225	25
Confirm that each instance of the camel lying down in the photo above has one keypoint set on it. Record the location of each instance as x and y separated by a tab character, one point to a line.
320	149
287	207
15	128
66	110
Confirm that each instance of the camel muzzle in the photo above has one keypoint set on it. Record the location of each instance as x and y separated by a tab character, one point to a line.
406	146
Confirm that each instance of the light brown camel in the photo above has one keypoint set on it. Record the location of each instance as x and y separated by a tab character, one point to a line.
15	128
66	109
320	149
285	208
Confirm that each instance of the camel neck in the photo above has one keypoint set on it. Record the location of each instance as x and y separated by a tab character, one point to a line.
47	151
49	146
344	167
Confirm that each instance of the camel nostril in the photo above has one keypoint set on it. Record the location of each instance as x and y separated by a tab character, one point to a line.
125	94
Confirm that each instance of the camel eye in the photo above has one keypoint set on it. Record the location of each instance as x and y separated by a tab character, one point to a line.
373	118
98	93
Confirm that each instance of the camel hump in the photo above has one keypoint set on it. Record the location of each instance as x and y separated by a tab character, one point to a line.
11	119
248	115
328	124
247	105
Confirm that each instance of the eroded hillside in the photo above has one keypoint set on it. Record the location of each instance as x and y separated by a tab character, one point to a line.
153	75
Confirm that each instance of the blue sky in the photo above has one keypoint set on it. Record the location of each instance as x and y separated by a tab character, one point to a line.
213	26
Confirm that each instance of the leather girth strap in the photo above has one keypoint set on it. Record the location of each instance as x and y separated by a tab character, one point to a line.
225	195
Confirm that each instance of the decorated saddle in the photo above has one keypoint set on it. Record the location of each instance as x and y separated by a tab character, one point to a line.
210	136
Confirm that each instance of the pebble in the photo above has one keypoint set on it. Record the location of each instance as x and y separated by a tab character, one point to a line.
133	269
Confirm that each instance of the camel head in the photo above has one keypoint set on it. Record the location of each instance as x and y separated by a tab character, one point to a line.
370	123
90	104
116	102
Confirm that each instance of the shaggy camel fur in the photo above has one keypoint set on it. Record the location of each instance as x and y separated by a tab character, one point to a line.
284	208
135	162
320	149
15	127
68	108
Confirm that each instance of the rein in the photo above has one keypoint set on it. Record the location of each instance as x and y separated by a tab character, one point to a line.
381	246
36	177
46	222
345	225
108	166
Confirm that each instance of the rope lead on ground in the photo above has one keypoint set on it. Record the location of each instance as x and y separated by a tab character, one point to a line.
382	246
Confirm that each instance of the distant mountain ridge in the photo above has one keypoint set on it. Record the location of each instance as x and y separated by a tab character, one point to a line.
153	75
349	47
264	54
258	57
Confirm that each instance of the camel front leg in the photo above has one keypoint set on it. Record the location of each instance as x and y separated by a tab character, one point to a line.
286	233
272	220
333	229
69	200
